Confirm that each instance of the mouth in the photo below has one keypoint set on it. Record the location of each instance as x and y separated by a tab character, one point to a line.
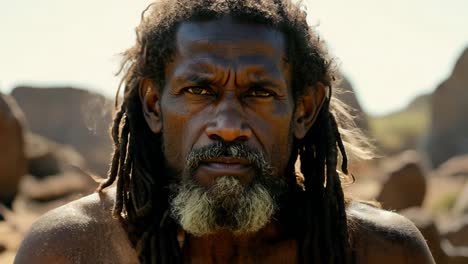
227	161
211	169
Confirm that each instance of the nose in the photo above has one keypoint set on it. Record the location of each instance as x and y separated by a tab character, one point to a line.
229	124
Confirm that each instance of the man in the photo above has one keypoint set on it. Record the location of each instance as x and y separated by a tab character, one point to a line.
221	98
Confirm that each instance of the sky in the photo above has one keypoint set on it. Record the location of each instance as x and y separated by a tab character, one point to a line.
391	51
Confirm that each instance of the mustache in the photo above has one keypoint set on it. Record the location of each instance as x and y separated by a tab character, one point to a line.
237	150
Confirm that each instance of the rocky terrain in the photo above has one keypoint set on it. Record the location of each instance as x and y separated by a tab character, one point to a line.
37	174
55	147
447	135
71	116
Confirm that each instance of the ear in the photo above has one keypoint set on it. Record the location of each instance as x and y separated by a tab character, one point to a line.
149	97
307	109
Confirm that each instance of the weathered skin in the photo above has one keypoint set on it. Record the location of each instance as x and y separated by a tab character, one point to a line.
228	81
85	232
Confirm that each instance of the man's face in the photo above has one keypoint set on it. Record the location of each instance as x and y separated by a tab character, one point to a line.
229	83
226	112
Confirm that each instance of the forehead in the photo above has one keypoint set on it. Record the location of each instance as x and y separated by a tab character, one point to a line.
229	38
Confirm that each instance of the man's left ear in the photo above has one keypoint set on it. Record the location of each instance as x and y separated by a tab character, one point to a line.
307	109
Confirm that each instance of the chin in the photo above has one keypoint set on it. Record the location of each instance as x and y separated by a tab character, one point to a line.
226	205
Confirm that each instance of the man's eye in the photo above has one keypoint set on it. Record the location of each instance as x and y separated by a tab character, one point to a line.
198	90
259	93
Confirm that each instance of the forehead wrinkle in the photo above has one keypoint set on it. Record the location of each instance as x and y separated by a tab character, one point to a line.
230	48
252	38
267	73
233	46
198	71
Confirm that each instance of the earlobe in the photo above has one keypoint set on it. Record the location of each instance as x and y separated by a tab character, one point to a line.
149	97
307	109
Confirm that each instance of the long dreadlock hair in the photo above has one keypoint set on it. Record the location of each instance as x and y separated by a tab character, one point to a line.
137	162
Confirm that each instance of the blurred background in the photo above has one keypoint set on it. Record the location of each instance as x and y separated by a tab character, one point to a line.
404	66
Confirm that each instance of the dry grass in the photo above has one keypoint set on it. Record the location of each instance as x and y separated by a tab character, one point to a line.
403	129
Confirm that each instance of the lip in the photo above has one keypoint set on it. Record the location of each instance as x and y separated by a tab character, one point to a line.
209	170
226	160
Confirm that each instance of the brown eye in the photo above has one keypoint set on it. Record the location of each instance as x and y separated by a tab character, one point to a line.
259	93
198	90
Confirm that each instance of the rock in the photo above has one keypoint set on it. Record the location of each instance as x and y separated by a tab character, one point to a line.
12	157
405	184
457	232
461	204
56	175
46	158
461	259
70	116
12	233
38	196
10	239
429	230
7	257
57	186
455	255
454	167
449	125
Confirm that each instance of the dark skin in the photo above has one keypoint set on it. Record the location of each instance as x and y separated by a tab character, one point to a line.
228	81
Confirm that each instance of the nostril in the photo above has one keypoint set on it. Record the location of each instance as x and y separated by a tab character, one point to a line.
242	138
215	137
228	130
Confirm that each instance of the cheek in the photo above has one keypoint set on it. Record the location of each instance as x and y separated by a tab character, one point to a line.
272	127
274	119
174	129
281	151
181	128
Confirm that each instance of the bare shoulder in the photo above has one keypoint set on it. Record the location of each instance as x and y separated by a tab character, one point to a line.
79	232
382	236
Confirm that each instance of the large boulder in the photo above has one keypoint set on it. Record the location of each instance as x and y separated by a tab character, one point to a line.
71	183
449	125
405	183
47	158
56	174
70	116
12	157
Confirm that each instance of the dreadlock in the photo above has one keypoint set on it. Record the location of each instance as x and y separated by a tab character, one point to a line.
137	162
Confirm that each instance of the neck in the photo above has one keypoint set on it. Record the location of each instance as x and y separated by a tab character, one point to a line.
269	245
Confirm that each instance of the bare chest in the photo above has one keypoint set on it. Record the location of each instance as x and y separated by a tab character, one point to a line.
279	252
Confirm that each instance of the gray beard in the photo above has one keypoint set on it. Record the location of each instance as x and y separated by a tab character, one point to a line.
227	204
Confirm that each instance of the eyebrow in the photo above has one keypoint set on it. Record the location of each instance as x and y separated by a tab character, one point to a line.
196	72
195	77
205	73
263	77
263	83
